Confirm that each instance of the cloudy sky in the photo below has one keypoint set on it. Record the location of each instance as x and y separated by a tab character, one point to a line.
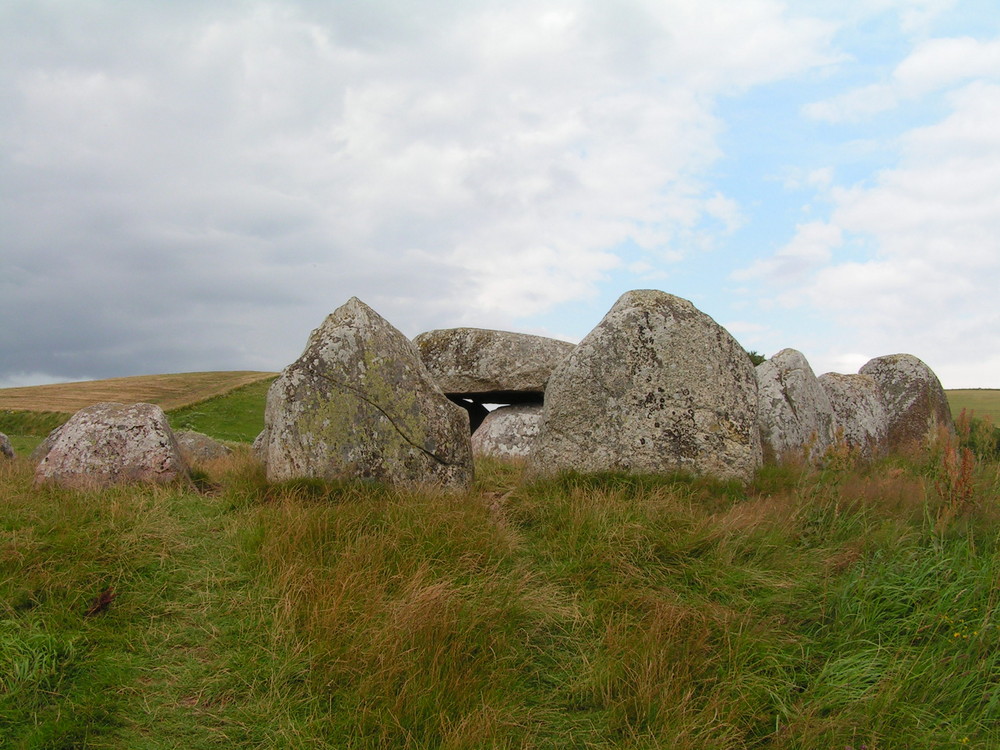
193	185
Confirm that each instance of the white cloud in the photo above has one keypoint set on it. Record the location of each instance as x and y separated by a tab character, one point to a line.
810	249
933	65
219	175
929	281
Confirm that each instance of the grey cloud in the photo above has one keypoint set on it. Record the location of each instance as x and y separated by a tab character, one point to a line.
193	185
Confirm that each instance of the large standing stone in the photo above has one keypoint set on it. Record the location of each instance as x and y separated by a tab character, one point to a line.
657	386
914	400
474	362
859	414
359	403
6	449
794	412
508	432
112	443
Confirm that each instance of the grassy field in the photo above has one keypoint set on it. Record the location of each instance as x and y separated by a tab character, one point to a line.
853	607
984	402
848	608
228	406
166	391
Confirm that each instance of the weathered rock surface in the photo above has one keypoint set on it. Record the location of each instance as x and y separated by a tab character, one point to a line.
359	403
509	431
43	448
197	447
794	412
859	415
913	398
6	449
475	362
657	386
112	443
259	447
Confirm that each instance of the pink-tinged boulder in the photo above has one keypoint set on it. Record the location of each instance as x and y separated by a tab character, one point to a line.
656	387
794	412
508	432
914	400
359	403
111	443
860	419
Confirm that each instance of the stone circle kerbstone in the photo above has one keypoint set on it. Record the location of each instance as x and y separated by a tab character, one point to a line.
197	447
359	403
508	432
478	363
794	412
657	386
914	400
111	443
860	418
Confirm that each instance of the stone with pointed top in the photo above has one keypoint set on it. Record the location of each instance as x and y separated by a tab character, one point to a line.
656	387
359	403
794	412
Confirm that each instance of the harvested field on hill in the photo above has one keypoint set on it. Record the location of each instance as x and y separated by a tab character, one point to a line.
166	391
985	402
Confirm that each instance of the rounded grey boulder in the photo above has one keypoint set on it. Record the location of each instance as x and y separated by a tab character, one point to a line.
794	412
859	415
359	403
508	432
914	400
6	449
657	386
476	361
111	443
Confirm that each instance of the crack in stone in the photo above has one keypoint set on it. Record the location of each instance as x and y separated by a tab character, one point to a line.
384	413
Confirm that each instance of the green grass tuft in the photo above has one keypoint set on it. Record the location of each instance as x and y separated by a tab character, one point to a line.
236	416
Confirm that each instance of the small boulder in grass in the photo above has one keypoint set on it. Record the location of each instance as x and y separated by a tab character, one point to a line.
197	447
508	432
109	444
6	449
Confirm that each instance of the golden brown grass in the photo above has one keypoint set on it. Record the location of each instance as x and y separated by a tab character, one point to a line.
166	391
